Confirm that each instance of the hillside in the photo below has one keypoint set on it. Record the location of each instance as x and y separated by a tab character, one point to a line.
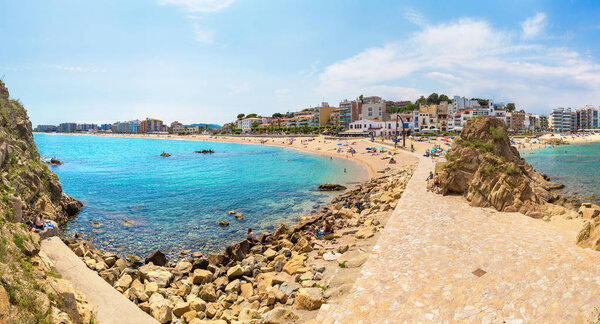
29	291
27	185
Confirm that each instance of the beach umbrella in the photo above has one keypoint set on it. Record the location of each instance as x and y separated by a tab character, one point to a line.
339	144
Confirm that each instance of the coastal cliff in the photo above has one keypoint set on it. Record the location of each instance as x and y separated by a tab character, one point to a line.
485	168
28	187
29	290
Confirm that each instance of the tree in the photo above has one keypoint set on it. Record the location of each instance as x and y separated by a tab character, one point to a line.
255	124
277	115
510	107
421	100
361	98
433	99
240	116
443	97
253	115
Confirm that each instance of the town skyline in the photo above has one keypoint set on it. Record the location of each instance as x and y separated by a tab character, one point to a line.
180	60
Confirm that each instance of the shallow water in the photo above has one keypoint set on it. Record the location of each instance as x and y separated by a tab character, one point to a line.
143	201
577	166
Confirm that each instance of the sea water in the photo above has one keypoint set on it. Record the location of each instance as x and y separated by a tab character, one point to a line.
577	166
136	201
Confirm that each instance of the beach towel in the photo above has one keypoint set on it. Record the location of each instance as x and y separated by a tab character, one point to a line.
48	225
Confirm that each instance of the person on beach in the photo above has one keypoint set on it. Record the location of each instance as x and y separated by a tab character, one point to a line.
436	183
250	236
430	176
328	228
39	222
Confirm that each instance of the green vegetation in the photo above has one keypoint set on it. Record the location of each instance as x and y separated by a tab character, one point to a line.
18	240
479	145
497	134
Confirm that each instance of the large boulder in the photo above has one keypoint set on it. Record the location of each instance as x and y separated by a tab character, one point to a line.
161	276
331	187
309	298
485	168
157	258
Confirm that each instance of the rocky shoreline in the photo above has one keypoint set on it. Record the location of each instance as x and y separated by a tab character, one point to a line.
285	277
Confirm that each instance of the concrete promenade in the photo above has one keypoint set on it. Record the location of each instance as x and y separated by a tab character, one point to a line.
440	260
110	305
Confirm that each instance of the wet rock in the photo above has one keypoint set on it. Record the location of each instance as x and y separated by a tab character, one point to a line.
157	258
223	223
165	154
331	187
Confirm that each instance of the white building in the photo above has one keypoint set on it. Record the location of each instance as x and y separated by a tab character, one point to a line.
370	126
246	124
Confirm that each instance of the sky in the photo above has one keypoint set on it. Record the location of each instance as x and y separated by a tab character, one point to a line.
208	60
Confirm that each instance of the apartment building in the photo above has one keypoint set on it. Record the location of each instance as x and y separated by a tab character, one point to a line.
245	124
67	127
152	126
46	128
588	118
350	111
516	121
374	108
563	120
322	114
433	118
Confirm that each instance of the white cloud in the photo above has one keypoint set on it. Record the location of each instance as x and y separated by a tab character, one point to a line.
414	17
199	5
533	26
202	35
468	57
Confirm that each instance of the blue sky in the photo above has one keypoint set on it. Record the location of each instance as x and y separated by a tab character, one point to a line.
207	60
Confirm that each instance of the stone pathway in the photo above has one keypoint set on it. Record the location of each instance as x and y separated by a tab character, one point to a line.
440	260
110	305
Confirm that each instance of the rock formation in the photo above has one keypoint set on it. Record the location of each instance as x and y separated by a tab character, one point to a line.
331	187
29	291
485	168
28	187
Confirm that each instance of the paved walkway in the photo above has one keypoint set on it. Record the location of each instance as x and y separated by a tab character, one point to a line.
424	267
111	306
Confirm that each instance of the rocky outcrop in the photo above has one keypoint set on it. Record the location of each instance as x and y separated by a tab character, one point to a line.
27	186
331	187
589	235
485	168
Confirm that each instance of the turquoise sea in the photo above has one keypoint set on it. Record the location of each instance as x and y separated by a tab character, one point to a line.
142	201
577	166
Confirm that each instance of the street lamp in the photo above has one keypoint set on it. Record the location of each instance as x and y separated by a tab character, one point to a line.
403	133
